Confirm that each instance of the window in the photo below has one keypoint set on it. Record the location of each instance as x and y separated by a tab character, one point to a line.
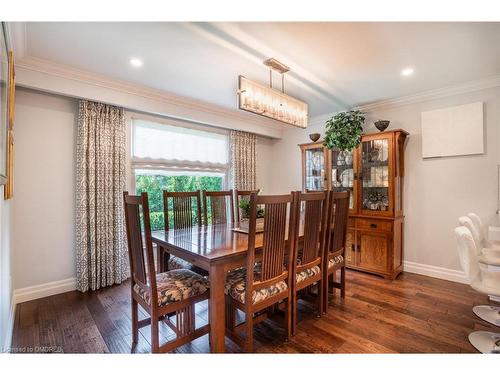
166	157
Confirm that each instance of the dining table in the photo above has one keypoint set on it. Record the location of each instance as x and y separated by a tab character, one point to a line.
215	248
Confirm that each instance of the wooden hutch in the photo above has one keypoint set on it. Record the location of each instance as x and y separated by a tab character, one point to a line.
374	174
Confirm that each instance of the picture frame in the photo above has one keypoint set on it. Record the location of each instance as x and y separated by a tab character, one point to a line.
4	103
7	110
9	186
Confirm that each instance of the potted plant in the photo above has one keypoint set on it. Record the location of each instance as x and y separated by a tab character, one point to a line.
245	213
343	131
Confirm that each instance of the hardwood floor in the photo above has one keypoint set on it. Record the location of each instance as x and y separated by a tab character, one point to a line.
408	315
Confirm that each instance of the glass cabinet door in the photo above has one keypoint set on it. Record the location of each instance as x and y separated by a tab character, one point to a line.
343	173
314	168
376	175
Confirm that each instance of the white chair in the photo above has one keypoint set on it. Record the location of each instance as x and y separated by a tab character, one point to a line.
487	248
484	281
482	232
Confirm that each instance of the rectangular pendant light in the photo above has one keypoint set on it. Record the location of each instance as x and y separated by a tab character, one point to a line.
266	101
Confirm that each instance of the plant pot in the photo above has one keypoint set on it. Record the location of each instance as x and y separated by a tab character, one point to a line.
244	225
314	136
382	124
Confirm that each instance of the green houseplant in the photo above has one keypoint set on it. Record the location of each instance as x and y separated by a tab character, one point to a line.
245	209
344	130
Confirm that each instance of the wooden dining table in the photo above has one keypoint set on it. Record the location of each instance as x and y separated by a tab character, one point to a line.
215	248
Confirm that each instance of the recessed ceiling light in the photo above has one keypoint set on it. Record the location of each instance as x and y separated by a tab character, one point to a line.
407	72
136	63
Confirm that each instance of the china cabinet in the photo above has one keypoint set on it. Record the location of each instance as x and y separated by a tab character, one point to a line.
373	173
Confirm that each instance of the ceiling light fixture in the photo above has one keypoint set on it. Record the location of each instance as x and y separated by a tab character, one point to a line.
407	72
269	102
136	63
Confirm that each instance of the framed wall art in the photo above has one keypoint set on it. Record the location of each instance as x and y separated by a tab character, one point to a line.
4	103
7	100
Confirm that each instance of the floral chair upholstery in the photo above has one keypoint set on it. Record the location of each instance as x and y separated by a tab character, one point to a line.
307	273
335	260
175	285
175	263
236	286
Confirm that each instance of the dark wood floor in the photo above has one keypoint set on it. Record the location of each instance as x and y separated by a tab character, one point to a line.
410	314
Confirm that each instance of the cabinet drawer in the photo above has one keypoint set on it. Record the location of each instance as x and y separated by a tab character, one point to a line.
368	224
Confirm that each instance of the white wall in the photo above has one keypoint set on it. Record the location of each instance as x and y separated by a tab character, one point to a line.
43	205
265	153
43	211
437	191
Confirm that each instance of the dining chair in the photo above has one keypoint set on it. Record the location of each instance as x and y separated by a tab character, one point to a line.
486	248
238	194
160	294
474	224
218	206
484	279
181	210
308	255
481	232
334	255
267	278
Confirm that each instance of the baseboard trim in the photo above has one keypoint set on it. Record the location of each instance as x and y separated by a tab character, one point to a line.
434	271
44	290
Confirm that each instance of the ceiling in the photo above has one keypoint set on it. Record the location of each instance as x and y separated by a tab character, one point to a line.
333	65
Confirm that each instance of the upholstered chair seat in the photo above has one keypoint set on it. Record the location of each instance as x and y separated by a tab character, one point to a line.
307	273
175	285
175	263
162	295
337	259
236	286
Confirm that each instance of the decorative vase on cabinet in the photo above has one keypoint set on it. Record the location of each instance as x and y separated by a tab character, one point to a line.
374	177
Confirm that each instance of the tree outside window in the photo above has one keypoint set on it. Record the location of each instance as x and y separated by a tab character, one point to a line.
154	184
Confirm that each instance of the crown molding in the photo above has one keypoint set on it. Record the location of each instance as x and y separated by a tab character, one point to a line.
228	118
175	106
462	88
434	94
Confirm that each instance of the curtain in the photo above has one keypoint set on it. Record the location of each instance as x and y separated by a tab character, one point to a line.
243	160
101	251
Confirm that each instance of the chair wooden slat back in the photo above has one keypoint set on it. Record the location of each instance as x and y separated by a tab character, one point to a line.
315	217
183	205
218	203
242	194
340	213
144	290
276	252
141	259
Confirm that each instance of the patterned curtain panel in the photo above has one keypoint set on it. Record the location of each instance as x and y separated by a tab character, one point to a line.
101	252
243	160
